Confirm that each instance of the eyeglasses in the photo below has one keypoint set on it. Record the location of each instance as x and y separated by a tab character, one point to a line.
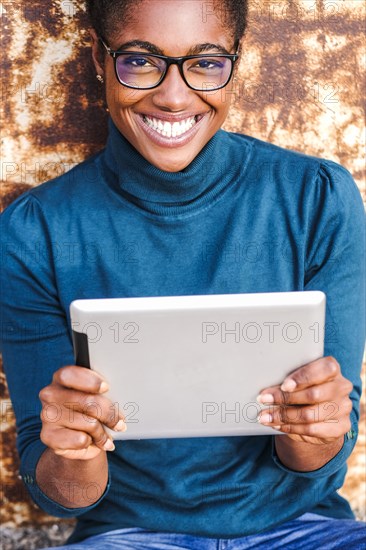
144	71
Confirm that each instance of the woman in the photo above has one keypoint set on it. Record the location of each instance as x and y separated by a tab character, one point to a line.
171	206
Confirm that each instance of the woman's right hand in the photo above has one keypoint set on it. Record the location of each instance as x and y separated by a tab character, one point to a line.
75	413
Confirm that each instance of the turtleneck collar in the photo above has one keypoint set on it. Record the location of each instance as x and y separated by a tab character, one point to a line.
163	192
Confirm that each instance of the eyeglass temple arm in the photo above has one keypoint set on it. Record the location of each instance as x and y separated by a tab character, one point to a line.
109	50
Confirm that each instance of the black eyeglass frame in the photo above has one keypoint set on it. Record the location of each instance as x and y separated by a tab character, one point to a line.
172	61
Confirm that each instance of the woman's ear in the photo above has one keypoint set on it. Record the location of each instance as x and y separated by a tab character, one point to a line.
97	54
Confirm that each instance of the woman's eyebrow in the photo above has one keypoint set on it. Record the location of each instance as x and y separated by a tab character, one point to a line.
200	48
195	50
140	44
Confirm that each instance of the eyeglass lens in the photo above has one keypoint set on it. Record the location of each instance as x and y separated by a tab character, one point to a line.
144	71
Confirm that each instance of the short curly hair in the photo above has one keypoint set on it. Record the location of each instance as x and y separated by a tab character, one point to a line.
105	16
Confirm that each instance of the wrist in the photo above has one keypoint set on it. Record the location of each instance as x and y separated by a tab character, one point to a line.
306	456
72	483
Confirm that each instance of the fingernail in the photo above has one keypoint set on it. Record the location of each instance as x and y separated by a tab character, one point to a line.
120	426
288	385
109	445
265	398
265	418
103	387
276	427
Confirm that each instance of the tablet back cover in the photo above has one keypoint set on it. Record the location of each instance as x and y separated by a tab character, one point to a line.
192	366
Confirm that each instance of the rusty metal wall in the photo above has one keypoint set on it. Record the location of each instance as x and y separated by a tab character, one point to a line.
299	86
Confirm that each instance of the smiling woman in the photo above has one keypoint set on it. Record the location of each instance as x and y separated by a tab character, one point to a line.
175	205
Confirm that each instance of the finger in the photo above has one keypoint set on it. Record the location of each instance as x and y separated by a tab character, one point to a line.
60	438
55	398
321	430
71	444
316	372
330	391
79	423
83	454
80	378
321	412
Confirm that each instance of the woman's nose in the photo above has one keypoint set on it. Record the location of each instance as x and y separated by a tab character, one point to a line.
173	93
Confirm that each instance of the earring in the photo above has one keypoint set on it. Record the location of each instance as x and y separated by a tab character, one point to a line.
100	78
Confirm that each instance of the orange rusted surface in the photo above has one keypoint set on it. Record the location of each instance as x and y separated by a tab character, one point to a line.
299	85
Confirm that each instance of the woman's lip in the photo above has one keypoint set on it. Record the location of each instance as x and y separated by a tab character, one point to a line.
171	142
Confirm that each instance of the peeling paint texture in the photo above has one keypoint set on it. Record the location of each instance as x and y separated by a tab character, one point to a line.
299	85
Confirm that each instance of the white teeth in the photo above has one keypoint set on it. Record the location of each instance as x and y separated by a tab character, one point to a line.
175	129
168	129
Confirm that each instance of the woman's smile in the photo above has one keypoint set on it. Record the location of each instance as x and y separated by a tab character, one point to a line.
170	130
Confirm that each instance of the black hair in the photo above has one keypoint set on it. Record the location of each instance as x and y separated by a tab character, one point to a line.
106	15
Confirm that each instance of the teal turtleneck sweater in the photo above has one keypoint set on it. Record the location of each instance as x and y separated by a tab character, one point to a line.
244	216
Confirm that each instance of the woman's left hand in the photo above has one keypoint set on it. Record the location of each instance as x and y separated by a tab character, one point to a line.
312	405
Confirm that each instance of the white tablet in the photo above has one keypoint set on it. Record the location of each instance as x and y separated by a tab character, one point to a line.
192	366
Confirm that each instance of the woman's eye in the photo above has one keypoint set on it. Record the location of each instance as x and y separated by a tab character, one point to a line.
204	64
137	61
207	64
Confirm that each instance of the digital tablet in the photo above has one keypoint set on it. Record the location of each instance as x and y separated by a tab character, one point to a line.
192	366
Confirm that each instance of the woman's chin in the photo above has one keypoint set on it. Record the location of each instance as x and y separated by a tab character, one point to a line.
166	159
172	164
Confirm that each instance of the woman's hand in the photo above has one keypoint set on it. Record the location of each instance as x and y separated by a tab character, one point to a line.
312	405
75	412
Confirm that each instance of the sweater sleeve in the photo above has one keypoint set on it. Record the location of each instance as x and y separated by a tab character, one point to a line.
335	264
35	339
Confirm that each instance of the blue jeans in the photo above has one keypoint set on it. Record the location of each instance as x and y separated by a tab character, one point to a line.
308	532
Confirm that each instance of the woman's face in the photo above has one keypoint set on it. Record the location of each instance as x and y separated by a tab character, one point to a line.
175	28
